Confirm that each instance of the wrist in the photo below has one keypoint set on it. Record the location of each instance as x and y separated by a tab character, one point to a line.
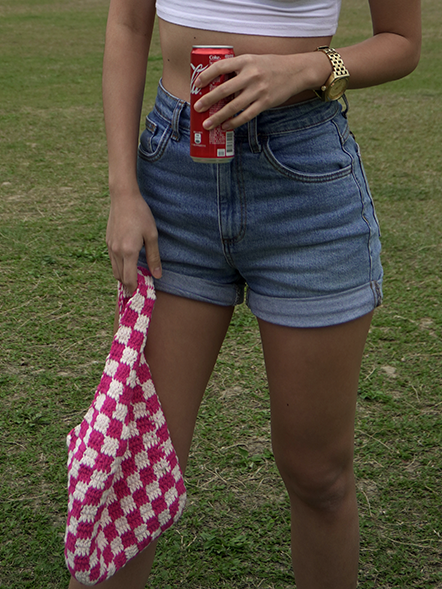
307	72
319	69
123	185
124	191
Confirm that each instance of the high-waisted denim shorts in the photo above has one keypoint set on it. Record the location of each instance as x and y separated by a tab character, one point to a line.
290	217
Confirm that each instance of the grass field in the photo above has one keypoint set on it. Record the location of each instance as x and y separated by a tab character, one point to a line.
56	306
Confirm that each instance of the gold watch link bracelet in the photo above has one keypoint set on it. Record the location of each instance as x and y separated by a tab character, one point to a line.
337	83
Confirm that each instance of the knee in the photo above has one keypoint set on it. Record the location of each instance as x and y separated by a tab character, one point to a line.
322	485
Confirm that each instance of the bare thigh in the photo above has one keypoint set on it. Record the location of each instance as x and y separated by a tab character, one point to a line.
313	379
184	340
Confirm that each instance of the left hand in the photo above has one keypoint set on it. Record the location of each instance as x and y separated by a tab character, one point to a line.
261	82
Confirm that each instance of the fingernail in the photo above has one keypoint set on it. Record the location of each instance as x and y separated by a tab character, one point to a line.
157	272
207	124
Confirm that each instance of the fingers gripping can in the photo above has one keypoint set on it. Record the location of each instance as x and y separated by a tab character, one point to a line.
213	146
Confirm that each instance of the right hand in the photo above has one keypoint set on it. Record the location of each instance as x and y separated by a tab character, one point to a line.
130	226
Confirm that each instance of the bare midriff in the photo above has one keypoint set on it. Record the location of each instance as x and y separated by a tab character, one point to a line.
177	43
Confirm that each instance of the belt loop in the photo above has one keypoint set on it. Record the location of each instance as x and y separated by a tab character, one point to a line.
176	119
252	130
345	111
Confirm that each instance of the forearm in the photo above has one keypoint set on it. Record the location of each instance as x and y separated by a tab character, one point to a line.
124	72
380	59
394	49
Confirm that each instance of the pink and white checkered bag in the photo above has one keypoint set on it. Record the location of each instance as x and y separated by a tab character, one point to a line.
124	481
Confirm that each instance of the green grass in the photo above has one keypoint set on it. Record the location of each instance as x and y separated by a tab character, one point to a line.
57	298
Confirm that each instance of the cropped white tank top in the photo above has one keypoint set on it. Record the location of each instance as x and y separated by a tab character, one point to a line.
276	18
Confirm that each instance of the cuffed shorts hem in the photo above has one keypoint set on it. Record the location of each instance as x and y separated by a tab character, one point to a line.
317	311
199	289
320	311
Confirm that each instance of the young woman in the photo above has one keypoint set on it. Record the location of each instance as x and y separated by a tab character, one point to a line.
291	217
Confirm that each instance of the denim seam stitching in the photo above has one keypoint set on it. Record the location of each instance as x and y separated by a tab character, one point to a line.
243	201
363	217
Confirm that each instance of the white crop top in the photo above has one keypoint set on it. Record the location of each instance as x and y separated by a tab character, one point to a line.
275	18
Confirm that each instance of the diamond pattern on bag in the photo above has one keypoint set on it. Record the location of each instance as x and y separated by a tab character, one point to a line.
125	485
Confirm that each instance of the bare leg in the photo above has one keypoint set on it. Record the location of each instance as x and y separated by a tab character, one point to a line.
184	339
313	378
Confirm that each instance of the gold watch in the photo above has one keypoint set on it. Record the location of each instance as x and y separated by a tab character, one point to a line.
337	83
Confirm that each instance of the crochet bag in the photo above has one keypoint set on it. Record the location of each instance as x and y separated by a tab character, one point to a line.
124	481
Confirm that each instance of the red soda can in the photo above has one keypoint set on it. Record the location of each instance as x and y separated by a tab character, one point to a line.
213	146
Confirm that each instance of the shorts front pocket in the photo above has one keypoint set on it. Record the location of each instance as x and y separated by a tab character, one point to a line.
155	138
314	154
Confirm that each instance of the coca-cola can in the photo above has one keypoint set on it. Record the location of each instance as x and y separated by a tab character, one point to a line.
216	145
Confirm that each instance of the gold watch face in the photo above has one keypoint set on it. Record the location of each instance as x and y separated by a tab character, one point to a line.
337	89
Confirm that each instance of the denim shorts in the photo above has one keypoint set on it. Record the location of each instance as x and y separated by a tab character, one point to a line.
290	217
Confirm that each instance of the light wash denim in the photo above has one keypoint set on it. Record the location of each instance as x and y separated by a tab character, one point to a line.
290	217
